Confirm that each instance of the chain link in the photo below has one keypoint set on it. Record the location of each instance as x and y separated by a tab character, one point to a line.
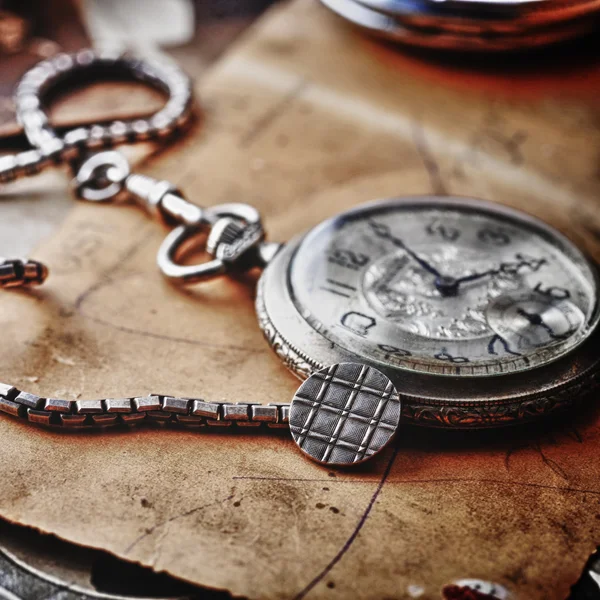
50	148
112	412
17	272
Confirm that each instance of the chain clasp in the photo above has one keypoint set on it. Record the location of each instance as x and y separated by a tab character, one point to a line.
234	232
235	238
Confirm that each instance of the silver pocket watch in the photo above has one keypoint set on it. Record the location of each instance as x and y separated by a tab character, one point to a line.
437	311
480	315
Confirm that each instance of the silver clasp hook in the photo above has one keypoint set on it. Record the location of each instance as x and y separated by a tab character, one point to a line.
234	232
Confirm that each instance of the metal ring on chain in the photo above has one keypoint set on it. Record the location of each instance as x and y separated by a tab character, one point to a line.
50	148
102	177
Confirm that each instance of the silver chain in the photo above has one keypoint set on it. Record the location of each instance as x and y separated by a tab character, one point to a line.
110	412
50	149
15	272
234	239
234	232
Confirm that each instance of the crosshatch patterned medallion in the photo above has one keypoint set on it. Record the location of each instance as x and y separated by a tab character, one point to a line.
344	414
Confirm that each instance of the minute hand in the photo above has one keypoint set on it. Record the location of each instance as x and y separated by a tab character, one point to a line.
383	231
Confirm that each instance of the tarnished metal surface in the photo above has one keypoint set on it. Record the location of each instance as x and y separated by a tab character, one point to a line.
450	393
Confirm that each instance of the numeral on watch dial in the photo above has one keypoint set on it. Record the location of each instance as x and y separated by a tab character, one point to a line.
348	259
442	230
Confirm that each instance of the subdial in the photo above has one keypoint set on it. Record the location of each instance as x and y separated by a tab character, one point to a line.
403	292
530	320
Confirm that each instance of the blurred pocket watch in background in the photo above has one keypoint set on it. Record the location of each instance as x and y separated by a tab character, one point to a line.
470	25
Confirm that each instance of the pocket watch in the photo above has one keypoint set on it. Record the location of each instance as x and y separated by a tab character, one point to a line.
479	314
488	25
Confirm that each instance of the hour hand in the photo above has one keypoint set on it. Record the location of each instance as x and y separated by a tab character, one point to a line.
509	268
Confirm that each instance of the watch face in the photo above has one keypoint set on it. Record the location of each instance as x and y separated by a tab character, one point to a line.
446	286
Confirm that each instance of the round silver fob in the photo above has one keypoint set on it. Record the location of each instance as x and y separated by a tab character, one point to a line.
344	414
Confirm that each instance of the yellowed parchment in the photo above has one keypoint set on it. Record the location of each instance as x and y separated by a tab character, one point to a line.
302	119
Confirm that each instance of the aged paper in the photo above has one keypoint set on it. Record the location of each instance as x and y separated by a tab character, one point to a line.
302	119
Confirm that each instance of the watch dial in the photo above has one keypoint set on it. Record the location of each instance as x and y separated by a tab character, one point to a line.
445	286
